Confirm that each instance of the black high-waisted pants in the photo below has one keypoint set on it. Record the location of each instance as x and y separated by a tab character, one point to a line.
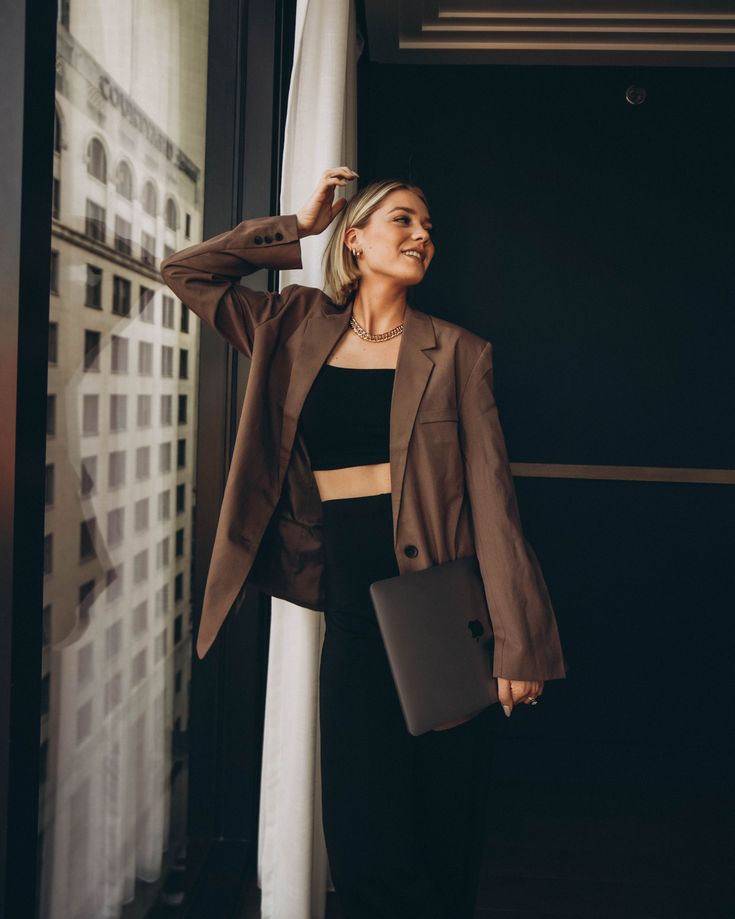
403	816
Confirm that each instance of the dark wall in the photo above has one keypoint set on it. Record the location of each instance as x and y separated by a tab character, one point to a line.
591	241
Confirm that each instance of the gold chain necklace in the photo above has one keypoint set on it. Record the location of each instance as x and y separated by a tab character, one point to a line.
369	336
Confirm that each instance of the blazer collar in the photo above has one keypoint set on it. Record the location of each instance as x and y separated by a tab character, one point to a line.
322	331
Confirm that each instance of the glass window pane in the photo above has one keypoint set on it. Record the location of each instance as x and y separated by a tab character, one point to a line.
129	132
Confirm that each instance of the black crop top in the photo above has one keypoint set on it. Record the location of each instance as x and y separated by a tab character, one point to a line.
346	416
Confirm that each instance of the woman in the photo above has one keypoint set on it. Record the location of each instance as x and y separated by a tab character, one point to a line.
399	438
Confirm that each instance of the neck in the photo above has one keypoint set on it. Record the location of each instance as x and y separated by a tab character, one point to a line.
379	311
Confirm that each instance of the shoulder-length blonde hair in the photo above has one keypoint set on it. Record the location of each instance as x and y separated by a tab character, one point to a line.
341	269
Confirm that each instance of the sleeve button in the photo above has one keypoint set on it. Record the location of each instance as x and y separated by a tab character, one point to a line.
411	551
279	235
258	240
269	239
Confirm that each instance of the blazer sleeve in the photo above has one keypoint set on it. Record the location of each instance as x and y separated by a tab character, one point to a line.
527	645
204	276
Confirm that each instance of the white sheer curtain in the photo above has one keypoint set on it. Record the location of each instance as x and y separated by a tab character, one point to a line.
321	131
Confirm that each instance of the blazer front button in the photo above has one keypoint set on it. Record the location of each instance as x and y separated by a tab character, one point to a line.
279	236
258	240
411	551
269	239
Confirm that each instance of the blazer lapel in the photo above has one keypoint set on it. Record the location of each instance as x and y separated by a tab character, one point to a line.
413	368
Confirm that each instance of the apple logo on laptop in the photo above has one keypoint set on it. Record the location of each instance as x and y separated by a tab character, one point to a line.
476	629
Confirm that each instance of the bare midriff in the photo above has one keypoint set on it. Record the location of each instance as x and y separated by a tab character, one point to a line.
353	481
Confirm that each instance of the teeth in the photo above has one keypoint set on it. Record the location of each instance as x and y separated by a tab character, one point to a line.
414	254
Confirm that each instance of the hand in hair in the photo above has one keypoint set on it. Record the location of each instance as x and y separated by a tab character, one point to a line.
321	209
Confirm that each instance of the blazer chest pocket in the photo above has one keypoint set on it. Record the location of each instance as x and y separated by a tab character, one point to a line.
438	425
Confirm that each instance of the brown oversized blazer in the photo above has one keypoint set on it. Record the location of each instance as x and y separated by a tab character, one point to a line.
452	489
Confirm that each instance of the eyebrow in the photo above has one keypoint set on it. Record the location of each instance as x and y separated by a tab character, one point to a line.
410	210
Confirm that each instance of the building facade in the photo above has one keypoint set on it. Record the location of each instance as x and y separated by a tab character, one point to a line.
120	462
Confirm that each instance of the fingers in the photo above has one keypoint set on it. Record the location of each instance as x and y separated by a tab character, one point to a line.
505	696
514	692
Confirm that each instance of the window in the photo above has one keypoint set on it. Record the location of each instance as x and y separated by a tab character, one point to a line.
48	553
162	603
93	296
181	498
147	248
187	226
164	505
140	618
165	409
118	354
113	640
178	628
90	414
88	476
123	236
172	217
115	526
146	304
180	542
114	582
46	623
54	285
138	667
141	515
120	296
160	646
96	222
183	364
118	412
167	361
49	485
97	160
140	566
85	663
53	342
177	683
167	312
50	415
91	350
56	198
86	598
181	453
163	553
84	726
184	318
183	401
116	469
124	180
144	411
145	358
142	462
164	457
179	587
86	539
57	120
149	199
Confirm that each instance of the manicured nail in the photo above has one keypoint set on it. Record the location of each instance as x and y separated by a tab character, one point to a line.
506	709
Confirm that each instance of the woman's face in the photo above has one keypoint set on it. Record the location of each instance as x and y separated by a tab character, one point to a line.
401	224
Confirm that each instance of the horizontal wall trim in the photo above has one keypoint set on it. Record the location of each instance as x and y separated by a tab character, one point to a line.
625	473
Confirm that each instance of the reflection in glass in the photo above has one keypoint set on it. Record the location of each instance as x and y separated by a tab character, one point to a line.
127	182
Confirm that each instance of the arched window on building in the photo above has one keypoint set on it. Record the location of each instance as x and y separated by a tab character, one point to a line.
149	199
57	132
124	180
172	214
97	160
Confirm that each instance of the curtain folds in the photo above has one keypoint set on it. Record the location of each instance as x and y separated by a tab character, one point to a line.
321	131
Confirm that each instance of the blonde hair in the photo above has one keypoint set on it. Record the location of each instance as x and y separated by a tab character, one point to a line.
341	270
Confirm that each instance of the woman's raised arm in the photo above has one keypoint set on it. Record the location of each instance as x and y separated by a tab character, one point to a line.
204	276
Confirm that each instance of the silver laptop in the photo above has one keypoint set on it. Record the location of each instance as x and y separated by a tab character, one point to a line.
439	642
